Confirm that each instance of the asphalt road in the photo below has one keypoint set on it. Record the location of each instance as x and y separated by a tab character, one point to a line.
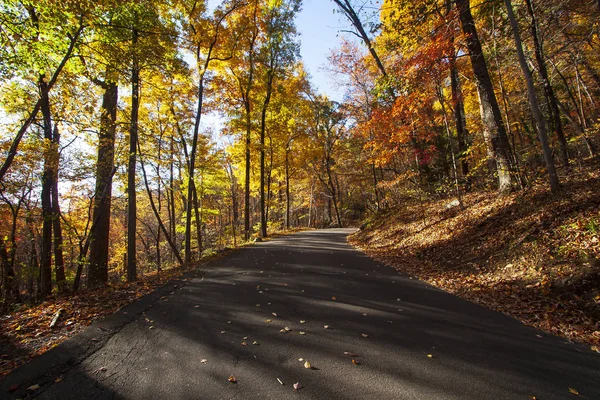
410	340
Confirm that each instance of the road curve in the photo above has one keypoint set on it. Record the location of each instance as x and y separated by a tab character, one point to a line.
311	296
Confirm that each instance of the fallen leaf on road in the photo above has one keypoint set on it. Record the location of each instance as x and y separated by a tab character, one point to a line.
354	362
297	386
244	344
574	391
307	365
364	335
347	353
302	333
430	355
326	326
196	306
268	320
333	298
279	380
33	387
60	378
222	332
302	321
245	338
232	379
274	314
152	327
204	361
255	343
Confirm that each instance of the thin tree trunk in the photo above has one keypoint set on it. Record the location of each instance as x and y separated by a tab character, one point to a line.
540	122
263	121
131	174
47	184
59	261
548	89
287	188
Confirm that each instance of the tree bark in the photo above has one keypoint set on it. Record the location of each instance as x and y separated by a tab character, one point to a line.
59	261
47	185
98	259
548	89
494	131
133	139
540	122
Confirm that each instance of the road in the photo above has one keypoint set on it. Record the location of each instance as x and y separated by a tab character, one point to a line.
260	313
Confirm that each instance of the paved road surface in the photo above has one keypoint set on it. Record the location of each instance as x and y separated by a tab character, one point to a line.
422	343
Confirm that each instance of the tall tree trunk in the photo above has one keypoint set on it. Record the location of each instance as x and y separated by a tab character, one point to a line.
287	188
548	89
59	261
263	127
494	131
191	169
540	122
98	259
131	167
47	185
458	107
198	214
458	104
247	109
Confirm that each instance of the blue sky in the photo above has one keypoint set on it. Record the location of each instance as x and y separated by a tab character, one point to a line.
318	27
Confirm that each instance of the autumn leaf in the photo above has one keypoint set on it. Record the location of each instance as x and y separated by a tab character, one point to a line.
354	362
574	391
347	353
33	387
307	365
364	335
297	386
232	379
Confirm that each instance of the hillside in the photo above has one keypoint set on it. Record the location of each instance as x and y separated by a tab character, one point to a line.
530	255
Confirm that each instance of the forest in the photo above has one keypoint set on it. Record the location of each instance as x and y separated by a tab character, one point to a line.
139	137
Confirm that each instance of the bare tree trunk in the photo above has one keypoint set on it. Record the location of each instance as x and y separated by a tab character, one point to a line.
540	122
131	175
99	246
287	188
494	130
548	89
47	184
59	261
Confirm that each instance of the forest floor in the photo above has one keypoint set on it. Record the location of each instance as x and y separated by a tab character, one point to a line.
531	255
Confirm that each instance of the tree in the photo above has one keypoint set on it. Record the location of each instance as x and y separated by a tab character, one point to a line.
540	122
493	127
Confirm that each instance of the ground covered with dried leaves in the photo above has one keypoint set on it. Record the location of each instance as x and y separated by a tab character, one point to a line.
531	255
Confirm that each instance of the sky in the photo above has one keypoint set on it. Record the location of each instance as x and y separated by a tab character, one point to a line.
319	28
